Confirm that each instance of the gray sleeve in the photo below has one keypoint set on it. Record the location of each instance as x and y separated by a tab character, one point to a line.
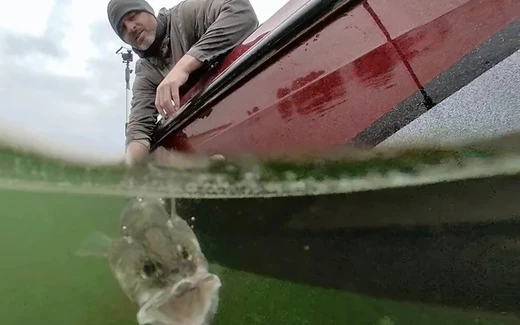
143	114
221	24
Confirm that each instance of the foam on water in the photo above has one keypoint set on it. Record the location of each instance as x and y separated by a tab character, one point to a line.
32	163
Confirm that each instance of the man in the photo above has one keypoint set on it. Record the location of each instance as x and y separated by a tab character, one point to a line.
171	46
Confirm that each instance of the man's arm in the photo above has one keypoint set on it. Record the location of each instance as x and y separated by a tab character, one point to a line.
218	26
168	90
225	25
143	114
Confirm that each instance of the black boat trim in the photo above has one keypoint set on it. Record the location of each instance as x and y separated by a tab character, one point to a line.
310	18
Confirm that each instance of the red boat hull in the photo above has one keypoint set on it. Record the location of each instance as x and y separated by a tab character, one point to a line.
330	88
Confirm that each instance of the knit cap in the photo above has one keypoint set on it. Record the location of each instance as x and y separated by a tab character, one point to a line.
117	9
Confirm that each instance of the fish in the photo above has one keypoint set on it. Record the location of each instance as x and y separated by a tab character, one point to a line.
159	265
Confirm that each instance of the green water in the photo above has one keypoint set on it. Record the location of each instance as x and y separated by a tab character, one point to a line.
43	282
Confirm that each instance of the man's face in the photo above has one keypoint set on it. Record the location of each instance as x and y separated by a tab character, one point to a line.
138	29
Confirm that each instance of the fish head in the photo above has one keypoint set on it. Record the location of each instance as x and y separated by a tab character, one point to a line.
174	254
141	269
160	258
171	245
168	292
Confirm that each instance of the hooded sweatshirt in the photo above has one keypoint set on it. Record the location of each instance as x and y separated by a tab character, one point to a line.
204	29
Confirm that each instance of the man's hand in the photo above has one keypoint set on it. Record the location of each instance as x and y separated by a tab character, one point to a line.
167	100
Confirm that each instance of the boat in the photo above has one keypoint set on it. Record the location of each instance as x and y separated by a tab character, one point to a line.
337	73
327	74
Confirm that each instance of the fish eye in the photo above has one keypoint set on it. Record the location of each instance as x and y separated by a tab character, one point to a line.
185	254
149	269
152	269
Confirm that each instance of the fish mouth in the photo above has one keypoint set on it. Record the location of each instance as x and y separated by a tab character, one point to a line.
192	300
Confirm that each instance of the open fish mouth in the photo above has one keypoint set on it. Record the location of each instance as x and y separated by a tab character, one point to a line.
191	301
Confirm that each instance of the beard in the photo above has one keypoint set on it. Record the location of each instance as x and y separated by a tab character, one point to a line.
147	39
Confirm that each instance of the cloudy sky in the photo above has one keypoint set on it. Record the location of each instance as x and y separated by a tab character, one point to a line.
60	76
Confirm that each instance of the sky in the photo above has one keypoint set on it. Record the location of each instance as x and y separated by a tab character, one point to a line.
60	79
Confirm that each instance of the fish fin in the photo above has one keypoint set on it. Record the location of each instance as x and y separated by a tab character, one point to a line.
95	244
